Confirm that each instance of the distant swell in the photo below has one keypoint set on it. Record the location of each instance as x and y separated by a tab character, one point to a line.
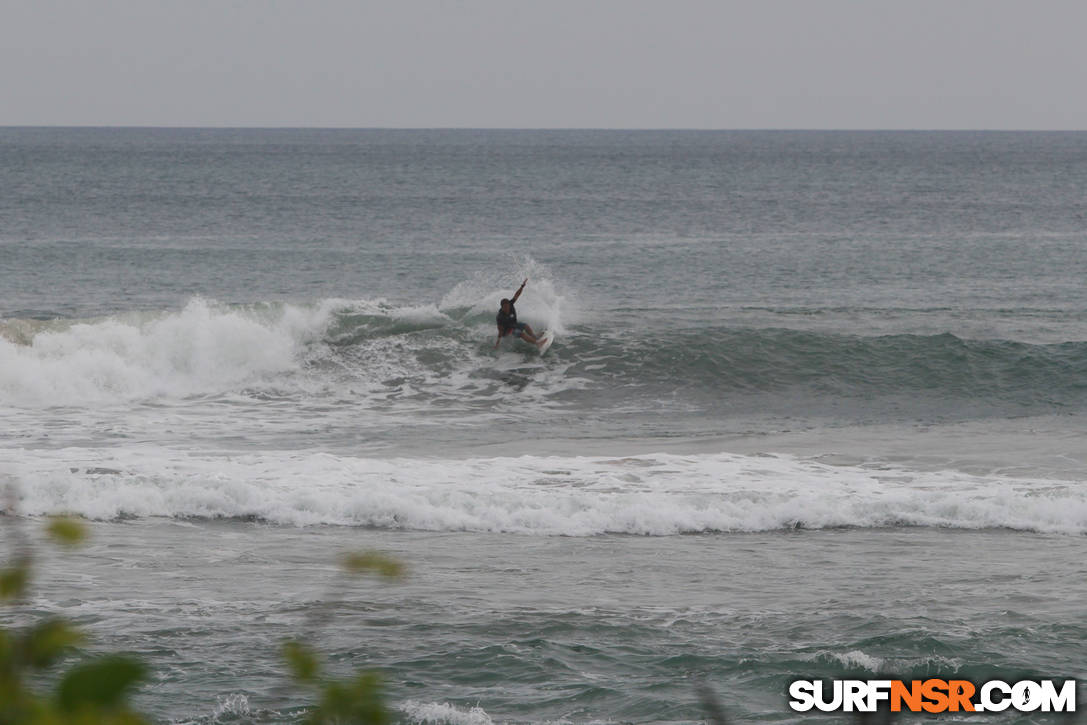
657	495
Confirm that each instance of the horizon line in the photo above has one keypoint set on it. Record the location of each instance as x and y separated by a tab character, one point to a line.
780	129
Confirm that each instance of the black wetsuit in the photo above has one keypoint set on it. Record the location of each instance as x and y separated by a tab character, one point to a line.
507	323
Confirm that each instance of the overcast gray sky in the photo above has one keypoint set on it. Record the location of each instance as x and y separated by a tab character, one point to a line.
992	64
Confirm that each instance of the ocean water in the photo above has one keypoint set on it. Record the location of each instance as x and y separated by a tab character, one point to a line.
816	408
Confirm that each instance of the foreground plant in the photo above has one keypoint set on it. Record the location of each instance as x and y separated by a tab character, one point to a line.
97	691
357	699
91	692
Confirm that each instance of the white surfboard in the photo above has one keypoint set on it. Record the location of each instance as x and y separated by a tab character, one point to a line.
548	338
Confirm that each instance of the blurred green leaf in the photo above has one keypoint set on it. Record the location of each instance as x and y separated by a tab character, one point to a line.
7	657
301	660
372	561
48	641
96	692
13	580
102	683
66	531
357	701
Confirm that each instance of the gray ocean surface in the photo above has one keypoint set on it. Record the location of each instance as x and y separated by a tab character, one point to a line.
816	408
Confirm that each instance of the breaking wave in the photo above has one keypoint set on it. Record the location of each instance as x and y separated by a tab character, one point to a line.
208	348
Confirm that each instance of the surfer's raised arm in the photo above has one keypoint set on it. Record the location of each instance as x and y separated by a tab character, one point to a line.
518	292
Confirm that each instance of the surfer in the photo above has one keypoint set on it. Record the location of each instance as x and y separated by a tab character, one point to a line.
508	324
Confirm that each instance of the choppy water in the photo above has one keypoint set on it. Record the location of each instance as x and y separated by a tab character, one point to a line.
851	363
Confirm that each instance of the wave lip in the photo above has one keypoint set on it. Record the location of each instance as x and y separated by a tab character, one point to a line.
653	495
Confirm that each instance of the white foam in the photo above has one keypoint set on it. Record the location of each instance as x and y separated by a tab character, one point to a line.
856	658
444	713
381	307
199	349
658	494
232	706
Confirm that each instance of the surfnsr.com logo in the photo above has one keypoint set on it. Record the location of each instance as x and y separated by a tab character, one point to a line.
933	695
